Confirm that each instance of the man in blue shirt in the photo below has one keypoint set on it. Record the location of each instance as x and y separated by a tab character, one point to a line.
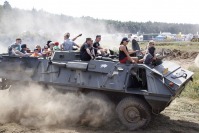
68	44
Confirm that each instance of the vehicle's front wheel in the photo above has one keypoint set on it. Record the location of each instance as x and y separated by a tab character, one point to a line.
134	113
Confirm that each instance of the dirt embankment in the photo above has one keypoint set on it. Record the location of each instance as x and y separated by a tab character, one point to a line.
178	54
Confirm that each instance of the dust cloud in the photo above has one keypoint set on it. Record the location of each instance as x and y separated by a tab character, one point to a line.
37	107
37	27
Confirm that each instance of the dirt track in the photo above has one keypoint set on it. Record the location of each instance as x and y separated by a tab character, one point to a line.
181	116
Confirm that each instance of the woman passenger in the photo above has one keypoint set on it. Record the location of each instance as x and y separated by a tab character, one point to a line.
39	48
124	53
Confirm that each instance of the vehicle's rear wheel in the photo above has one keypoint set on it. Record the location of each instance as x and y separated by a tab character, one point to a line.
134	113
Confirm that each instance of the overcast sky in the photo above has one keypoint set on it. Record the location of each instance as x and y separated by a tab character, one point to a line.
174	11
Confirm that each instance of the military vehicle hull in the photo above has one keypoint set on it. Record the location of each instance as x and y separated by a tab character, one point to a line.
138	90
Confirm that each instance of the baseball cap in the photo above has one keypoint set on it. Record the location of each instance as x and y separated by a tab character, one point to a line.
23	46
125	39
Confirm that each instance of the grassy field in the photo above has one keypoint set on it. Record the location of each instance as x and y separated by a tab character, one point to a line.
183	46
192	89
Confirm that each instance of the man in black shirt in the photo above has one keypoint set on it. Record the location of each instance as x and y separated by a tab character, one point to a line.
87	51
98	49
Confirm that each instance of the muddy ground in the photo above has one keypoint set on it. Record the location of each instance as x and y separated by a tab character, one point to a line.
182	116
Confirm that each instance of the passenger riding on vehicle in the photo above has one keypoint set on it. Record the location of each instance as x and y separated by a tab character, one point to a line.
56	47
150	55
68	44
98	49
24	50
124	53
45	52
36	53
87	50
39	48
14	49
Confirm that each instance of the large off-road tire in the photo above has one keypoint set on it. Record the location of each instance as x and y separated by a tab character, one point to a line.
134	113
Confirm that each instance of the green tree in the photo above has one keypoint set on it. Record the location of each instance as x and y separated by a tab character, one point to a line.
7	5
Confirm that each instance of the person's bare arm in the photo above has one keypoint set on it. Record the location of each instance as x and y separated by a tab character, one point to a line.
77	45
132	51
89	52
93	52
76	37
154	55
99	47
62	47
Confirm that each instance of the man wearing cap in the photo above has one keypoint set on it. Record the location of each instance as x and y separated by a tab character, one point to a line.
15	48
68	44
87	51
24	50
124	53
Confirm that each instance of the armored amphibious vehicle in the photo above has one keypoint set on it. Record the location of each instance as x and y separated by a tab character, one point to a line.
137	90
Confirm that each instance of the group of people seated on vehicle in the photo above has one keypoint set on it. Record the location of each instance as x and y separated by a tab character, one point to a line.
148	54
89	50
22	50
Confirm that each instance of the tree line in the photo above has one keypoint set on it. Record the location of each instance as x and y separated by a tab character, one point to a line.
111	26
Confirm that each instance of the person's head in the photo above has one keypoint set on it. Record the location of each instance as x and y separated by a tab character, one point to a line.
98	38
66	35
151	43
36	51
56	43
124	41
18	41
48	43
51	44
89	41
45	48
38	47
24	46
